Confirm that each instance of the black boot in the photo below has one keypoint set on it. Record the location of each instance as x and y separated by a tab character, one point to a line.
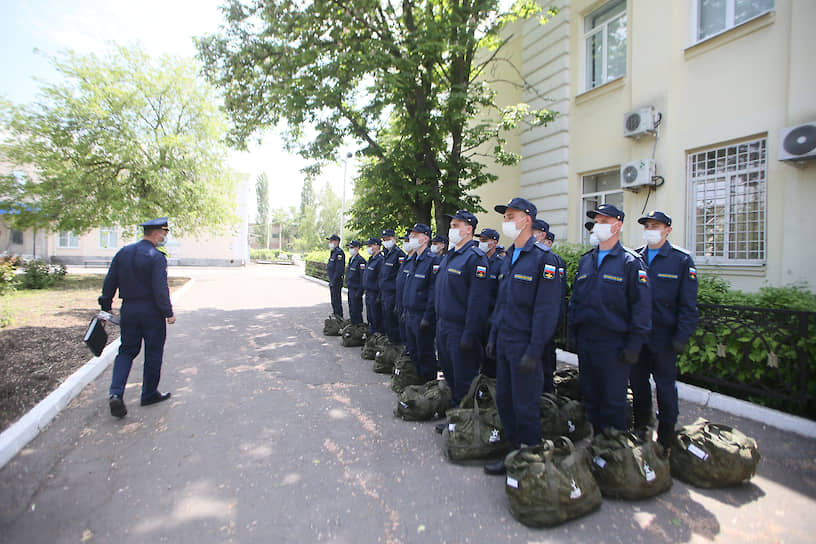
496	468
665	435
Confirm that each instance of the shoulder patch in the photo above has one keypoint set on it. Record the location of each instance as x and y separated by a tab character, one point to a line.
549	271
562	272
362	266
692	273
643	277
401	259
481	271
435	268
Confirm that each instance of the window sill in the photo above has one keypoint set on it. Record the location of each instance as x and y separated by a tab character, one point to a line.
730	34
601	90
734	269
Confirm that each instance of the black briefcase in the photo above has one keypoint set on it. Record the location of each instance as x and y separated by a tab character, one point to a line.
95	337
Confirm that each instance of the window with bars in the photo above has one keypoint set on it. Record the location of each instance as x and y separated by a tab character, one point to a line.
107	237
67	240
728	191
716	16
605	42
597	189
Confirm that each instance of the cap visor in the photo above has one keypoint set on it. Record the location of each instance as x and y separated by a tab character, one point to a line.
501	208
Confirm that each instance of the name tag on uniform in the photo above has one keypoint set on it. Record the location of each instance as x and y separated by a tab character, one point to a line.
481	271
549	272
493	276
523	277
501	276
613	278
581	277
420	276
667	276
454	271
389	264
643	277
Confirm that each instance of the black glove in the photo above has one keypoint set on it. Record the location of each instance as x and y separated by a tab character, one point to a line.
402	318
466	342
678	346
528	364
105	304
490	350
629	357
424	325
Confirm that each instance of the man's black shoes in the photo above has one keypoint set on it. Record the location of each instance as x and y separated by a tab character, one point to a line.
158	397
440	427
117	406
496	468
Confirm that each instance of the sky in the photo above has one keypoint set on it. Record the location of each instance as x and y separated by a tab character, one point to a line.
32	31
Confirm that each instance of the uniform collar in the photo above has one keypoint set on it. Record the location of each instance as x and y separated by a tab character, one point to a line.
526	247
464	247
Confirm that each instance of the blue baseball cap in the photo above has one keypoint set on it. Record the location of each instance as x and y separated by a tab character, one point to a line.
657	216
422	228
355	243
407	235
608	210
387	232
488	233
466	216
521	204
333	237
540	224
374	242
158	223
439	238
499	248
550	236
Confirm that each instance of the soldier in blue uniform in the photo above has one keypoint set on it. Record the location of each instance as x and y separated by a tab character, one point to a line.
673	278
439	245
550	359
500	251
418	304
354	282
371	284
406	269
335	268
139	272
393	257
540	229
523	322
610	317
462	296
488	242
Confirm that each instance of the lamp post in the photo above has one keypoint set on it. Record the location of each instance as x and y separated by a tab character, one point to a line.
343	204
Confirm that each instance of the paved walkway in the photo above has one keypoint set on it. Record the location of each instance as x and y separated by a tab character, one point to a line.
277	434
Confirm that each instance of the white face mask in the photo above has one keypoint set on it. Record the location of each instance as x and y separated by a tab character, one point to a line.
354	251
484	246
454	236
370	250
652	237
331	245
593	240
388	244
412	244
434	248
510	230
603	231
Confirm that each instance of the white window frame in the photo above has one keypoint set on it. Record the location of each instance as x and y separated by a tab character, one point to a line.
601	28
728	175
105	234
730	20
600	195
72	240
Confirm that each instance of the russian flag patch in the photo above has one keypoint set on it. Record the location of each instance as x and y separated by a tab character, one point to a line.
362	266
549	271
435	268
481	271
692	273
643	277
562	273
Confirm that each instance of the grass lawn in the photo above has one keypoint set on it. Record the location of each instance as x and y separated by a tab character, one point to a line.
42	343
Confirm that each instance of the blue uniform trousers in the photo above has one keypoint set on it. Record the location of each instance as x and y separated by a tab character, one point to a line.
459	367
549	362
390	321
336	291
517	394
355	302
488	365
373	312
604	379
420	345
140	320
656	359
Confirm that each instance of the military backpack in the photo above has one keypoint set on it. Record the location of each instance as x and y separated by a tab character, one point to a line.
708	454
423	402
562	416
567	383
627	467
373	344
404	374
333	324
474	430
354	335
550	483
385	358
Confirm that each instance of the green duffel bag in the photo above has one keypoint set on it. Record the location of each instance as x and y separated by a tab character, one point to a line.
404	374
373	344
483	390
423	402
550	483
333	324
709	454
385	358
627	467
354	335
474	433
562	416
567	383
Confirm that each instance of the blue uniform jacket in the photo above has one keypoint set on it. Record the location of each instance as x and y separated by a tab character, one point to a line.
562	273
614	299
336	265
393	258
462	289
528	300
674	292
372	273
354	273
494	265
139	272
419	286
406	270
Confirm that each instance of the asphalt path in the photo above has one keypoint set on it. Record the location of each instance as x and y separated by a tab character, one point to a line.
275	433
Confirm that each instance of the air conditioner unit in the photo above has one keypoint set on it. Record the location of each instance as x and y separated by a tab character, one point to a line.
639	122
798	143
637	174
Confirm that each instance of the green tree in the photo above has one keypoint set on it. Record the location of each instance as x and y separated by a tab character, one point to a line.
262	216
403	79
121	139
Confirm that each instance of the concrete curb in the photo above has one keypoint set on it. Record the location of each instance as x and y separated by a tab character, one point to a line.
731	405
21	432
319	281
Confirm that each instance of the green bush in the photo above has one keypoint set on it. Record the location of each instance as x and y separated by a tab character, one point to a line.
268	255
317	255
571	253
40	275
7	277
